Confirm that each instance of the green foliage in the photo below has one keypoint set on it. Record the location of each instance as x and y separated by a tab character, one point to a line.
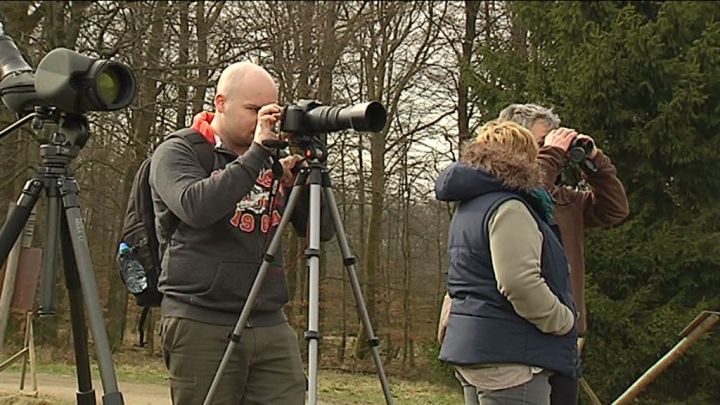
441	372
642	78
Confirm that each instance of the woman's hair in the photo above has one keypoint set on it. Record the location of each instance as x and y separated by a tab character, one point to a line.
511	134
527	114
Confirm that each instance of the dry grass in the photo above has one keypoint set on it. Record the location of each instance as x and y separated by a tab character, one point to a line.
334	386
19	399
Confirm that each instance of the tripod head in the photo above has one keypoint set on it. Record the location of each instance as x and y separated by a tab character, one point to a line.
72	134
311	147
65	143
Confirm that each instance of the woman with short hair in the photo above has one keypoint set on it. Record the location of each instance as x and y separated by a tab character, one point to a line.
511	321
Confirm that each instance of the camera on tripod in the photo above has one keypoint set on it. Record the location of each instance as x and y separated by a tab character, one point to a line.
62	89
303	122
69	81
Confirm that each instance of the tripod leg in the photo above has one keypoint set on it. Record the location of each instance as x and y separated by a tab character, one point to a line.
47	281
313	260
268	258
76	229
85	394
349	261
17	219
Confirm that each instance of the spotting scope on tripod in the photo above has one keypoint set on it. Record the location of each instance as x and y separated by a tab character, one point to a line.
303	122
64	87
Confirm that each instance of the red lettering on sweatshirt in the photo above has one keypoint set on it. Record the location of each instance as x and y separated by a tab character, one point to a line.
247	223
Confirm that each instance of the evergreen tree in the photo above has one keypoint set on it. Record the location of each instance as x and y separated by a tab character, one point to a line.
642	78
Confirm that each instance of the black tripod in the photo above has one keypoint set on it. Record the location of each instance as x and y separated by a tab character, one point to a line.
318	179
61	189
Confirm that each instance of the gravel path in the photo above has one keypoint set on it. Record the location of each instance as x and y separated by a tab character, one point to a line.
60	389
63	387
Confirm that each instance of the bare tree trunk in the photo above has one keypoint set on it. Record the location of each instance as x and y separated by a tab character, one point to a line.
377	198
343	273
202	25
440	290
62	31
327	58
363	276
471	12
408	352
518	32
183	60
388	252
374	59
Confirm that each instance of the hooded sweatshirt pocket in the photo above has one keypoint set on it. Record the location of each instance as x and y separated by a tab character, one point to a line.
231	283
231	286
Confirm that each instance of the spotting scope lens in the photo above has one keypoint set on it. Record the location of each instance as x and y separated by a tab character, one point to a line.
77	83
109	87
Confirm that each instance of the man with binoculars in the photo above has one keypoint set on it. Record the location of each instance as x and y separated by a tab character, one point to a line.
604	204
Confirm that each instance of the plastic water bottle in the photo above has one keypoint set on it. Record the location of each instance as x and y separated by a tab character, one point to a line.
132	271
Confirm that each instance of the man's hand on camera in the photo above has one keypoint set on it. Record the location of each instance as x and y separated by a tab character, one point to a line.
268	116
594	150
560	138
288	164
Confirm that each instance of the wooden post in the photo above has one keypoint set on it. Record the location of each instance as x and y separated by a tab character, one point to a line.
28	356
589	391
702	324
30	346
583	382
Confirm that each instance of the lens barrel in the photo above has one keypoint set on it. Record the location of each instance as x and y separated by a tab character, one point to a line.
310	116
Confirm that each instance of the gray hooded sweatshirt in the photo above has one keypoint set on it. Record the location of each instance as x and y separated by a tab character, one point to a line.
221	225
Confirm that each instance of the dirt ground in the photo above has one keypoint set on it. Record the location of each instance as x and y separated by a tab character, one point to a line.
60	389
56	389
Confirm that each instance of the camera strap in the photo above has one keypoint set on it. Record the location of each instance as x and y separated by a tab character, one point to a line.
277	175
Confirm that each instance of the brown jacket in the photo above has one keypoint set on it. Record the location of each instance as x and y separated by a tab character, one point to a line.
604	205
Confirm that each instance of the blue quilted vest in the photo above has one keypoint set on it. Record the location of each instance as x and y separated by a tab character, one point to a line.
483	327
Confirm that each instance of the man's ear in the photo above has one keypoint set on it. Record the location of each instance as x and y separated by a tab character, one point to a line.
220	103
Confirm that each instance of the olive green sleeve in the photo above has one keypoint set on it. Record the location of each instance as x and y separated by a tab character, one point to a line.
516	248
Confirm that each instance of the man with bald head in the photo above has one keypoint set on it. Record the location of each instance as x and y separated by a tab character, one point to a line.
213	224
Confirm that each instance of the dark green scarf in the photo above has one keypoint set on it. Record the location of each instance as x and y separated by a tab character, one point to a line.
543	203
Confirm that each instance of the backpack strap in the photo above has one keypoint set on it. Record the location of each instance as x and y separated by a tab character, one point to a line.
200	145
204	152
